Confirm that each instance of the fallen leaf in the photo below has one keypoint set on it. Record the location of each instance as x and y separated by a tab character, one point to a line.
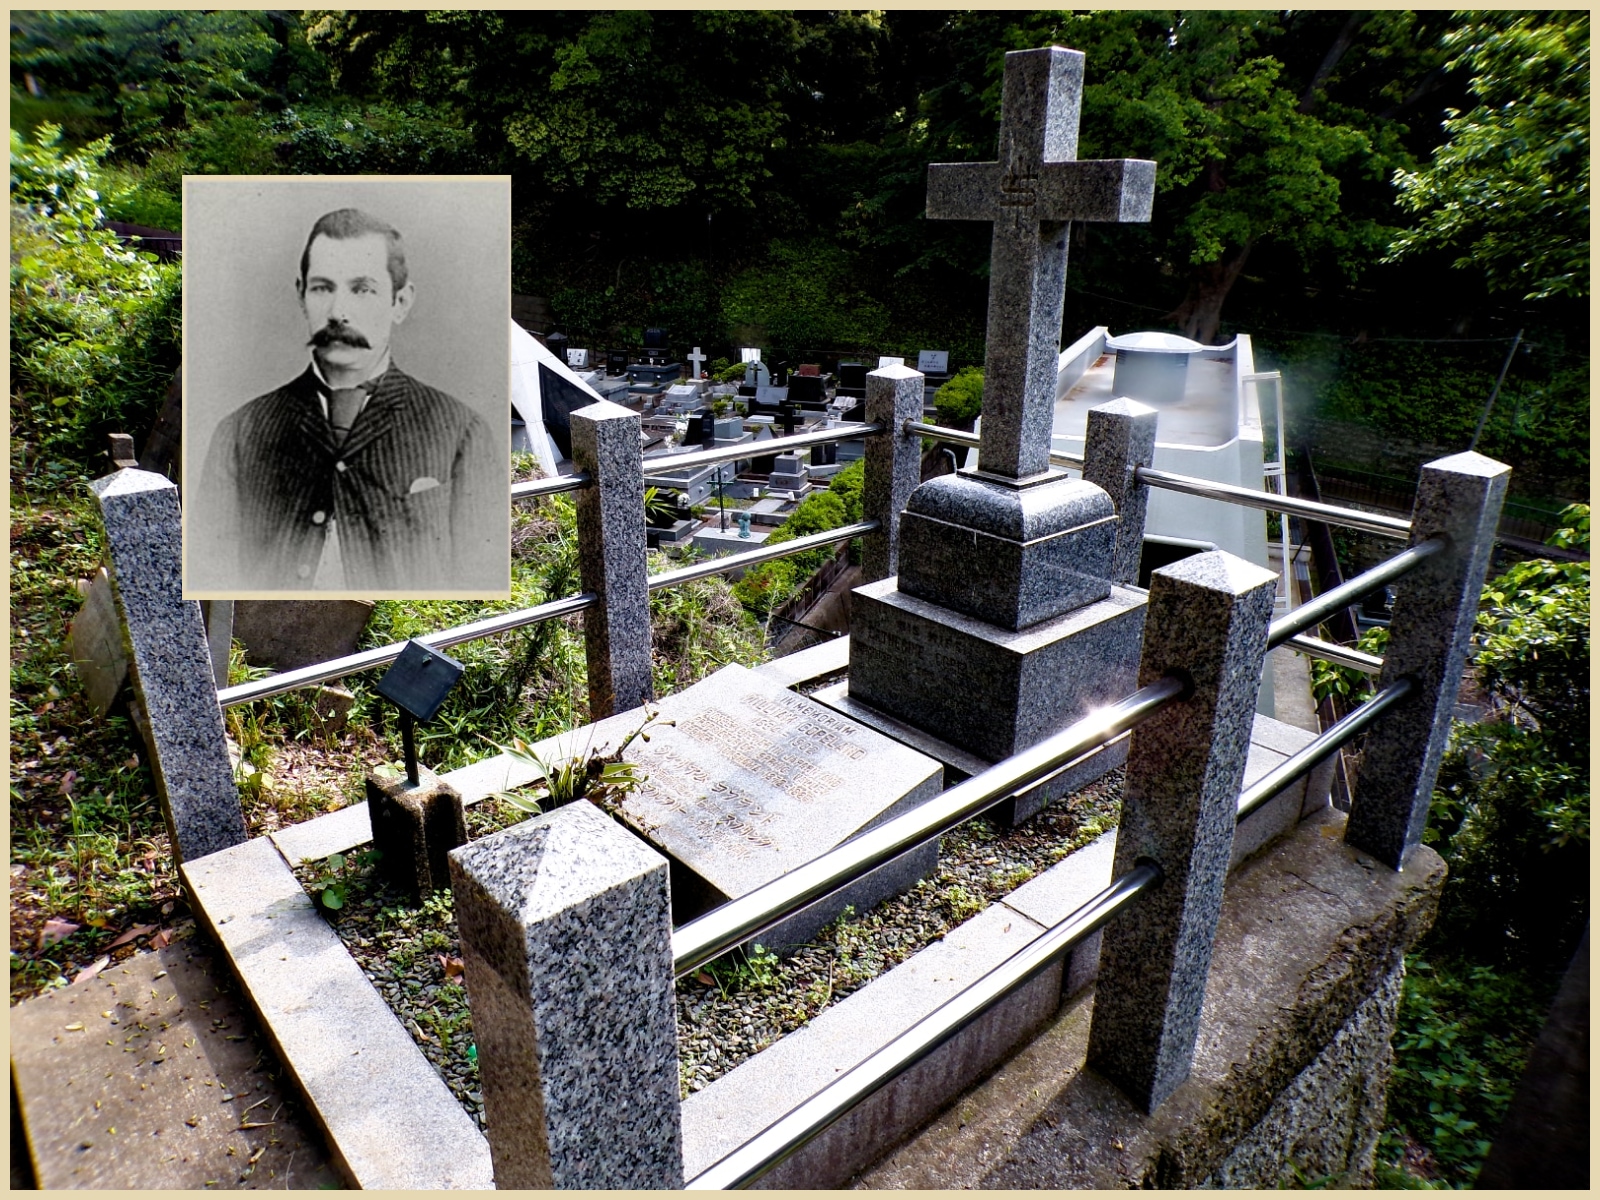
138	931
702	977
75	1027
67	780
161	940
90	972
55	929
452	966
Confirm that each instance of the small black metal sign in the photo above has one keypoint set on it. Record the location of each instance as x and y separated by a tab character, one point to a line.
420	680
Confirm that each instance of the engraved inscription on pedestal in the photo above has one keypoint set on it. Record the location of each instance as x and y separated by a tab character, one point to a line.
754	780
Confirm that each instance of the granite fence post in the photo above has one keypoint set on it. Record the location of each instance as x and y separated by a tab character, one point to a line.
1434	610
566	937
894	465
1208	618
1120	438
170	662
611	557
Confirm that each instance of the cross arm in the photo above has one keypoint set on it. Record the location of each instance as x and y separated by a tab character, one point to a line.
1112	189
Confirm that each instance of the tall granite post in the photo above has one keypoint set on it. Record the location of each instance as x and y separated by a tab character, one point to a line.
1121	437
894	460
1208	619
1003	624
1434	610
566	937
611	557
171	663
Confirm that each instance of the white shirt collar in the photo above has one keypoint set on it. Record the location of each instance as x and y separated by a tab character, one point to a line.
324	387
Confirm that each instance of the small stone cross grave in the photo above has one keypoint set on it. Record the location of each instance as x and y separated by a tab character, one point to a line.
1031	195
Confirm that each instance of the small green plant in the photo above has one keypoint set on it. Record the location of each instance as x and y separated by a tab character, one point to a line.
745	970
596	775
330	881
1347	683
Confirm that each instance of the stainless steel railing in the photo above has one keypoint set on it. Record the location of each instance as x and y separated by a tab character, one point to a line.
697	942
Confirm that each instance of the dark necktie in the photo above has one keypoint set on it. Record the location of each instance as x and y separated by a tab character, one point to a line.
343	405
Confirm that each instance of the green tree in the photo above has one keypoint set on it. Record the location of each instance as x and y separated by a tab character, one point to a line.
1509	189
94	326
143	77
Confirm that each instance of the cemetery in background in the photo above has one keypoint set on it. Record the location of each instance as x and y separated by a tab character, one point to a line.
71	536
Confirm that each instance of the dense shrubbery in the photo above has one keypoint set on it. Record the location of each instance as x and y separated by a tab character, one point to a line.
95	327
767	587
959	399
1510	815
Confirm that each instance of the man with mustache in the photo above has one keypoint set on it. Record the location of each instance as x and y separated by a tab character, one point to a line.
356	477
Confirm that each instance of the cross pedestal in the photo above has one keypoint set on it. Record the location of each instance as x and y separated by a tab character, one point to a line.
1004	624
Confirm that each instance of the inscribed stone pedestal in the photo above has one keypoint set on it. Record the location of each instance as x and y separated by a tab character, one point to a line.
1208	619
990	690
567	944
754	780
171	663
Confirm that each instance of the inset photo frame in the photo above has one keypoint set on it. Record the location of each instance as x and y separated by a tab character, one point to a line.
346	387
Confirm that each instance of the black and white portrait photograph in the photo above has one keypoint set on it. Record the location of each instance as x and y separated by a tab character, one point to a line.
346	386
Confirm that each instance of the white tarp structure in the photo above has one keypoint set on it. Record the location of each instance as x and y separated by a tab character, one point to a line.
528	354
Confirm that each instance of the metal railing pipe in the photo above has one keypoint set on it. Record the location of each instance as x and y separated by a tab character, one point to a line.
660	463
365	660
960	437
801	1124
761	554
1311	510
1336	735
699	941
555	484
1345	656
1314	612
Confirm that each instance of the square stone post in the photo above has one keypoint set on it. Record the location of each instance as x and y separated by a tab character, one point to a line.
171	663
566	937
611	557
1121	437
894	465
1208	618
1434	610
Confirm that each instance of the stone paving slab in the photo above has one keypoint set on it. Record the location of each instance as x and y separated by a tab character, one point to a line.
722	1116
153	1075
391	1120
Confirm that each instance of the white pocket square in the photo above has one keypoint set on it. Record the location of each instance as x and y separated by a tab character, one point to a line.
423	484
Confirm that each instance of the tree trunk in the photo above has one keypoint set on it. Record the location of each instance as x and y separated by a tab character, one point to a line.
1200	314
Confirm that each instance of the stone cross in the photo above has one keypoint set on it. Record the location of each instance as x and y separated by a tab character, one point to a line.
695	360
1031	195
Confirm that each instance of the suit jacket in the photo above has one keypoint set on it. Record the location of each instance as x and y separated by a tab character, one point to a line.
420	497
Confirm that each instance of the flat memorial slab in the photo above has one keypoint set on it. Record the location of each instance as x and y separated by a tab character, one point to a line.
754	780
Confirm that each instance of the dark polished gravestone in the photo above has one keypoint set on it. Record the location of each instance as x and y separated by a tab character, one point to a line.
754	780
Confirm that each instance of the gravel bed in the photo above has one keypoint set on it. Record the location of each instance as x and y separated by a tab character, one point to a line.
737	1006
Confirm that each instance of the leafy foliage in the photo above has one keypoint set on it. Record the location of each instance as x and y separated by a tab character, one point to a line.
959	399
94	326
1509	189
766	587
1460	1047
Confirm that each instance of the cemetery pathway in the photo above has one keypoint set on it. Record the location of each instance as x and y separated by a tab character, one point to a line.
155	1074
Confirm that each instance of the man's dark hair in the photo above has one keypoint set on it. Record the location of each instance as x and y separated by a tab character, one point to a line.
352	222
